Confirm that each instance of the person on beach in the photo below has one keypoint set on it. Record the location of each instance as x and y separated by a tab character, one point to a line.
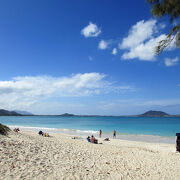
16	130
114	134
46	134
178	144
88	139
92	139
41	133
100	133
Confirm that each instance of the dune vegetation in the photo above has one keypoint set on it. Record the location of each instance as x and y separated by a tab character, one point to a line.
4	129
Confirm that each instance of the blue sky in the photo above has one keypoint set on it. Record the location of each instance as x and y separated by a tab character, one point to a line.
85	57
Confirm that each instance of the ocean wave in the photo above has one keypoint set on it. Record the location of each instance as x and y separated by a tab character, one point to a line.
87	131
122	136
33	128
78	131
55	129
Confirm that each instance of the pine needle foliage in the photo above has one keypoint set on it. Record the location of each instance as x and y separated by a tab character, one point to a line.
170	8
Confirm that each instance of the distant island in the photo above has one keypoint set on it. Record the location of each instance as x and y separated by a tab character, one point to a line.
150	113
155	114
67	114
146	114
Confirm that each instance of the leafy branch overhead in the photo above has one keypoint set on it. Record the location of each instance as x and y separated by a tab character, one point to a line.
170	8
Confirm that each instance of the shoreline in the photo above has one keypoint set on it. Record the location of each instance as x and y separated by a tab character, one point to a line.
85	133
27	155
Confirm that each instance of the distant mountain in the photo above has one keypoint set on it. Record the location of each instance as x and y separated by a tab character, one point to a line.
151	113
24	113
154	114
8	113
67	114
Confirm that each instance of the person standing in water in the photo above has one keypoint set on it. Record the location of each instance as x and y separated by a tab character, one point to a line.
100	133
114	134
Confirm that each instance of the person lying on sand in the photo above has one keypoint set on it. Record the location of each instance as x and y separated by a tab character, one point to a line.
46	135
106	139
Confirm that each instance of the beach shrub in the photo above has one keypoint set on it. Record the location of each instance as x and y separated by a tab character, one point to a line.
4	129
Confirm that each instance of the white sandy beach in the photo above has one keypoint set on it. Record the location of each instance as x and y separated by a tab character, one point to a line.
26	155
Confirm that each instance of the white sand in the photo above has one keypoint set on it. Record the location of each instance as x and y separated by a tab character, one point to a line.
26	155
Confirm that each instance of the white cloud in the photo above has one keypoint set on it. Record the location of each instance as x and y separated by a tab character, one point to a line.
114	51
22	92
171	62
103	44
144	51
76	85
141	41
91	30
139	33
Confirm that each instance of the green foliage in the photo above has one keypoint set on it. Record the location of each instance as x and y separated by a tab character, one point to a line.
4	129
170	8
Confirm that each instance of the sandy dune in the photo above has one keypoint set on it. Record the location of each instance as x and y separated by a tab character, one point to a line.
26	155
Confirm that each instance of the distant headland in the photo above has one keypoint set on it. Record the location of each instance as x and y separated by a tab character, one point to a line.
4	112
146	114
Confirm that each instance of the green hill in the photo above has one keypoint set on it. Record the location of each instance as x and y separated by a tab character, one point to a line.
8	113
154	114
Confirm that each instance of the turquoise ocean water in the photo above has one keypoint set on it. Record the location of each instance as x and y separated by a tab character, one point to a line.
160	126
